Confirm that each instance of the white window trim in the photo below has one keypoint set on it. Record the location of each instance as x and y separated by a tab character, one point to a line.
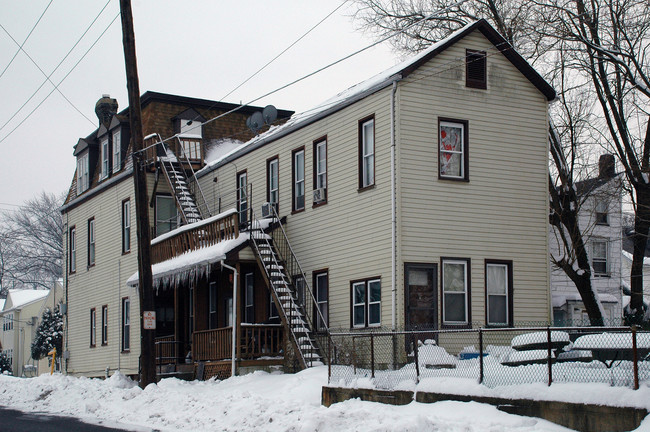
321	184
366	303
126	324
126	226
368	158
249	301
274	174
82	173
93	327
362	304
506	294
117	151
604	259
92	246
461	152
105	154
73	249
298	181
317	276
465	292
104	325
242	181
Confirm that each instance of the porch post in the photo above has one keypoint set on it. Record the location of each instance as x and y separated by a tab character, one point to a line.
234	318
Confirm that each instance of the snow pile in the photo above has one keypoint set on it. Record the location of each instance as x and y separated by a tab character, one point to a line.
255	402
433	356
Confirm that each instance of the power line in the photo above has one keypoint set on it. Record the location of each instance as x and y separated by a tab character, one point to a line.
63	79
47	78
25	41
285	50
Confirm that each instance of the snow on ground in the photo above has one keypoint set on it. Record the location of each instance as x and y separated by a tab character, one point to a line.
254	402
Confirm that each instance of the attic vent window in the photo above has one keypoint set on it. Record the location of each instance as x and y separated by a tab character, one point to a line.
476	71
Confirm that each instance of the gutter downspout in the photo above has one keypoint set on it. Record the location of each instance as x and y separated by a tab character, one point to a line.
234	316
393	209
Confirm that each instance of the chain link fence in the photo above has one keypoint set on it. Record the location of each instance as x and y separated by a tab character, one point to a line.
618	356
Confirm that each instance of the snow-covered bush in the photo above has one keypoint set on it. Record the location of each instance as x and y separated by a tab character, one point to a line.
49	334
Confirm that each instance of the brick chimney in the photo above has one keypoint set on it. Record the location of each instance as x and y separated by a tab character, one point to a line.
606	166
105	108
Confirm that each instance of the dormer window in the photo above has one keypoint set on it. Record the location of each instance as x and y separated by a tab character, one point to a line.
105	155
476	69
190	136
82	173
117	151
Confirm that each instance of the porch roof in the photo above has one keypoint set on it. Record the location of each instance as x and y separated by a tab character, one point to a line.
193	263
560	299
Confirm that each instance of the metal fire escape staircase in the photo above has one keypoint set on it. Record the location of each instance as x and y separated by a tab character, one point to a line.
278	263
184	197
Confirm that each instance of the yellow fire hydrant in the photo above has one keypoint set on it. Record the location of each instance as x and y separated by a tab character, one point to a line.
53	354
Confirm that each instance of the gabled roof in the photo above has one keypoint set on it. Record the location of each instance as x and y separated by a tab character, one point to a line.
381	81
585	187
19	298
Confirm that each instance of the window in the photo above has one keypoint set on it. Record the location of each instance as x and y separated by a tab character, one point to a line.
320	171
601	212
190	138
273	309
126	226
82	173
299	179
212	293
366	303
73	249
455	291
321	291
105	154
167	217
599	257
300	285
242	196
117	151
8	322
367	152
476	69
272	182
104	325
91	242
93	327
452	154
249	298
498	293
126	324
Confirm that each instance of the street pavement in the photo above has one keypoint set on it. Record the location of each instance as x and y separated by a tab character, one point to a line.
18	421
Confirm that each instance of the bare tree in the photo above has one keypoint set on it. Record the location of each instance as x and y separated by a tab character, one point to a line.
31	243
428	21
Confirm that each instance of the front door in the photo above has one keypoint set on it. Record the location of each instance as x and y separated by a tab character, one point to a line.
421	296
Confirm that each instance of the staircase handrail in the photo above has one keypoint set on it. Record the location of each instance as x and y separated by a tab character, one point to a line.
199	195
301	273
164	170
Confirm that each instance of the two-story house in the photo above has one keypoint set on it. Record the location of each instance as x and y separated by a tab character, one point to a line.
600	219
399	203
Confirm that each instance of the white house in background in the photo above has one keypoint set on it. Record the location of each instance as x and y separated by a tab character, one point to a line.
600	220
20	316
626	266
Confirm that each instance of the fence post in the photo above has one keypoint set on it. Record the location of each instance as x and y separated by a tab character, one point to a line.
329	360
372	355
635	358
549	350
480	355
354	355
414	341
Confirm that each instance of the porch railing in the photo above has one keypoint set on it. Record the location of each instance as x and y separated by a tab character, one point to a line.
255	340
195	236
167	350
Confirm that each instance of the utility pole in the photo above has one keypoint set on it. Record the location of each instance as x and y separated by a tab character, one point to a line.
145	284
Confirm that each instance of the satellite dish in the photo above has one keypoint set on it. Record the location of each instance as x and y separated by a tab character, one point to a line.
256	121
270	114
248	123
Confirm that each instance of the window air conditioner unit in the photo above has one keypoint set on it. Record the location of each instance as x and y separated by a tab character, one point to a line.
267	210
320	195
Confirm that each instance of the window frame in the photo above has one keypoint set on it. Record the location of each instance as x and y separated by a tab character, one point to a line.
126	325
72	246
365	304
213	305
604	259
93	327
83	172
156	214
363	156
269	190
92	243
126	226
316	274
509	293
295	181
242	197
601	217
249	298
104	325
105	150
464	177
316	166
468	292
116	135
472	56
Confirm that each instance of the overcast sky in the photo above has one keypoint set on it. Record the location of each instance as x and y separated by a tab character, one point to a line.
200	48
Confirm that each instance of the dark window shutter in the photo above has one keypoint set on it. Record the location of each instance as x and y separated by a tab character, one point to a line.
476	74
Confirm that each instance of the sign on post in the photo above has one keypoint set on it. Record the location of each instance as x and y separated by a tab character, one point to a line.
149	320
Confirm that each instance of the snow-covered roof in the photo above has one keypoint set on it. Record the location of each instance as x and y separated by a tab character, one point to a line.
380	81
560	299
21	298
628	256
